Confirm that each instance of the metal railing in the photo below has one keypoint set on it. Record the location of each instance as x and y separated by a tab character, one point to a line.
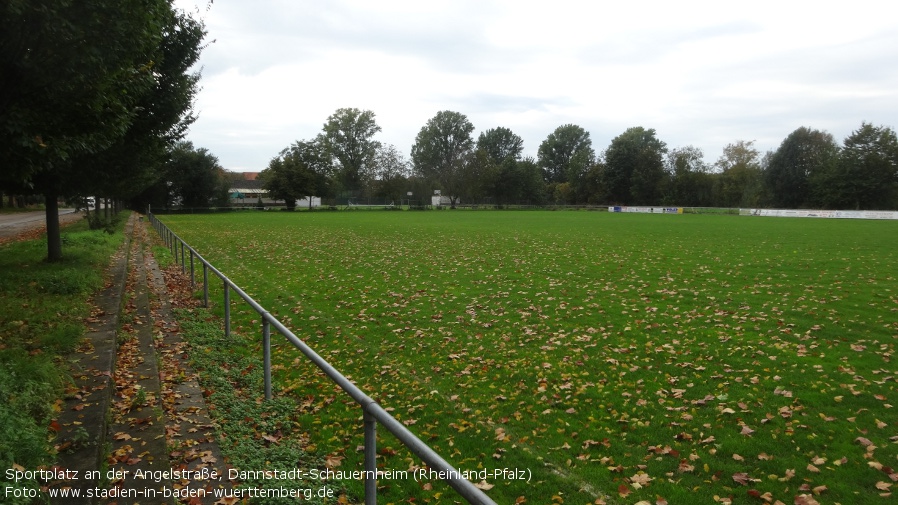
372	412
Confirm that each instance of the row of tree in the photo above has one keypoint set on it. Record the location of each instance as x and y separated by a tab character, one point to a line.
809	169
94	95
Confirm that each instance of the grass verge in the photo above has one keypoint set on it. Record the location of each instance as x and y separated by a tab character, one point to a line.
43	307
251	431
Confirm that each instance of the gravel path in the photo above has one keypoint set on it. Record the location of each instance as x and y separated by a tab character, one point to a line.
23	225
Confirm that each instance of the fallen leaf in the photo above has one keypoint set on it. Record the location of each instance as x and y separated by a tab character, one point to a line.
624	490
333	461
741	478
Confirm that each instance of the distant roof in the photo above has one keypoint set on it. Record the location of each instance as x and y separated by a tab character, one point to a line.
247	185
250	176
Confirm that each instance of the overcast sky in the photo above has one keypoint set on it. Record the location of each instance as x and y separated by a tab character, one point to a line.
700	73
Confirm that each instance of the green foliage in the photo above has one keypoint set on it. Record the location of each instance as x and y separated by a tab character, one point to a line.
100	221
500	144
803	157
303	169
866	175
92	91
231	373
347	136
27	386
66	90
740	181
442	149
634	167
600	351
515	181
504	176
691	183
391	173
196	178
190	177
565	154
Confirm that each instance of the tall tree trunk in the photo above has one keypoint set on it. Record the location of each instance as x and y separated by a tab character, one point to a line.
54	240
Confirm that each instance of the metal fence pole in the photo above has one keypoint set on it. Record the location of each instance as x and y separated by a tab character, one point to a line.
192	273
370	459
266	349
205	285
183	263
227	309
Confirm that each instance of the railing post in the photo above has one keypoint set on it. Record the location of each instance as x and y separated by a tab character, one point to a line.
227	309
370	458
205	285
183	263
266	352
192	273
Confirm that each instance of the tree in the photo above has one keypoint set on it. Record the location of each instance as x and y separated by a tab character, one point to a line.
565	154
802	157
691	180
137	161
500	143
391	171
197	179
634	167
303	169
347	137
74	77
866	174
191	177
442	148
739	182
502	174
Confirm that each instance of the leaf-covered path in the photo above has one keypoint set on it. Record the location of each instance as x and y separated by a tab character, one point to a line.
141	411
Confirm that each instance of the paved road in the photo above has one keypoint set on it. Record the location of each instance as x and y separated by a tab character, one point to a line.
20	222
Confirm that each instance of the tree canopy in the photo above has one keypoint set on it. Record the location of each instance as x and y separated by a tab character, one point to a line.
500	143
634	167
442	148
566	153
866	175
91	91
809	169
348	137
303	169
803	157
392	171
691	182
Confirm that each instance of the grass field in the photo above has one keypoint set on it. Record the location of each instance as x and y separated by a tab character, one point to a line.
616	358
